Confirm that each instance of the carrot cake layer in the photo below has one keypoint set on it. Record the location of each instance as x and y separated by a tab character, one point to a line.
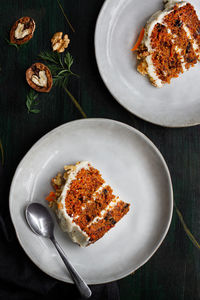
85	204
171	43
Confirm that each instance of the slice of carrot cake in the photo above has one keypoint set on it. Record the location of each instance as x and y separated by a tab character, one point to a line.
170	43
85	204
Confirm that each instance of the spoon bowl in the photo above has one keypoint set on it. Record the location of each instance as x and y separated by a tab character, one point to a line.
39	220
41	223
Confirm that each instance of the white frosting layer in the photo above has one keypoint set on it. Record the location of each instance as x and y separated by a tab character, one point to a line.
194	44
108	207
66	222
158	17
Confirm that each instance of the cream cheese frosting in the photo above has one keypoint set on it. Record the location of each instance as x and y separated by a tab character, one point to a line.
158	17
66	222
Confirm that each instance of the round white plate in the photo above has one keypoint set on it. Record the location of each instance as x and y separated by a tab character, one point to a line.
137	172
117	29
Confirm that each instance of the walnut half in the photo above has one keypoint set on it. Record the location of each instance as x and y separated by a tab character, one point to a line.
22	31
39	77
59	44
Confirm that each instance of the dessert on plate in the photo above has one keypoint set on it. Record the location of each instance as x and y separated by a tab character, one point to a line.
85	204
169	44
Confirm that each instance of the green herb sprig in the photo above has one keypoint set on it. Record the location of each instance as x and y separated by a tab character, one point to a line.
31	102
60	67
16	45
12	44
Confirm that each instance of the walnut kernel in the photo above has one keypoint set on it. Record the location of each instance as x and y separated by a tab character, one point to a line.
22	31
59	44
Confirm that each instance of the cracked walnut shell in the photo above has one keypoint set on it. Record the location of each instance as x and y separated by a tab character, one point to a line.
39	77
59	44
22	31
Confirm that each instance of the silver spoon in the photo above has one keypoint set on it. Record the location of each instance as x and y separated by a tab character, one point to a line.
41	223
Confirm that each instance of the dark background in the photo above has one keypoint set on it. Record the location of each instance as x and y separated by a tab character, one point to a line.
174	271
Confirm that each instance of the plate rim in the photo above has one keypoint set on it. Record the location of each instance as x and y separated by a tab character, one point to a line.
97	25
144	137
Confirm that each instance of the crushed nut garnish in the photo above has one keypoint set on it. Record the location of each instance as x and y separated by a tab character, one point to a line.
69	168
58	179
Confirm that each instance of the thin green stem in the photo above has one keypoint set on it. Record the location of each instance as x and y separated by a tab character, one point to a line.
2	153
11	44
60	60
75	102
70	25
74	74
48	59
63	71
187	231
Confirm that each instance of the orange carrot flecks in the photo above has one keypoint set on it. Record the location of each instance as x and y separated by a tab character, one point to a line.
51	197
60	206
135	47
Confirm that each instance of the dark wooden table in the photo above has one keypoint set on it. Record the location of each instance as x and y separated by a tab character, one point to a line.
174	271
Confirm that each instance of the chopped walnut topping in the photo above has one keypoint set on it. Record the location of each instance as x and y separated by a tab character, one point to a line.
69	168
58	179
58	193
142	67
59	44
66	175
141	55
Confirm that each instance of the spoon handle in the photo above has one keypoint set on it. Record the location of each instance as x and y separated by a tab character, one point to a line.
80	283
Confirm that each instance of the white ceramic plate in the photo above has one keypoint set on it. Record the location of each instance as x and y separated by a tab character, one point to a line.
136	171
117	29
